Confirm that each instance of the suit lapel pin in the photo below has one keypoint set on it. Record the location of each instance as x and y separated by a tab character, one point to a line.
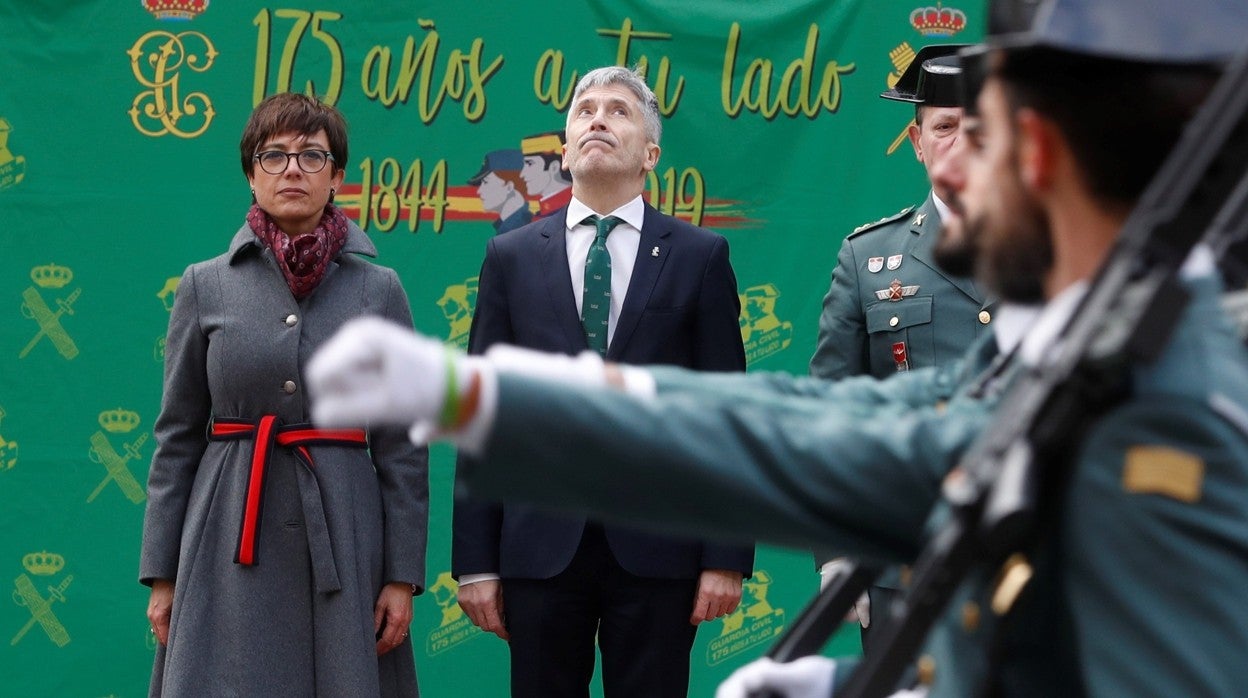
654	252
918	218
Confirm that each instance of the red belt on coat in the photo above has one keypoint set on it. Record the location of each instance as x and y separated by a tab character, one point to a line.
264	434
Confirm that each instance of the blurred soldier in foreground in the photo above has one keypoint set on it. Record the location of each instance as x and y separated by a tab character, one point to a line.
1074	119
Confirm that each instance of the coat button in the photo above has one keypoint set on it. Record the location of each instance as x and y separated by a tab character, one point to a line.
893	321
926	670
970	616
985	317
291	320
289	387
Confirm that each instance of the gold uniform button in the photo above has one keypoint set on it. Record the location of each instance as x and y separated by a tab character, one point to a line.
926	667
291	320
289	387
893	321
985	317
970	616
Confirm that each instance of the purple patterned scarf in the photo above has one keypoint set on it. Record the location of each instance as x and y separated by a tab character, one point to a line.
303	261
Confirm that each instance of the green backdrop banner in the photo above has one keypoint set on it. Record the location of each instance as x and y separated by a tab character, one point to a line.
119	130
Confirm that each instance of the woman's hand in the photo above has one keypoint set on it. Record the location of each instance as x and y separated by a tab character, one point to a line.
392	616
159	608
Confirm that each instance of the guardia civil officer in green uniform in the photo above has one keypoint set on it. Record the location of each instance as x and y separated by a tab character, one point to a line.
891	307
1137	588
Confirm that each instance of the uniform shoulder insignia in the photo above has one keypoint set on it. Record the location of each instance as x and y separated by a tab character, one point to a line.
886	219
1164	471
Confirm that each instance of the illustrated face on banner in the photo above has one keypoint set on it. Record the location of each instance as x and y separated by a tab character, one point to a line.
539	177
493	191
607	136
294	198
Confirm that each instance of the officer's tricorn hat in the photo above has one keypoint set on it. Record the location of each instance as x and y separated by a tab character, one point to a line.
930	79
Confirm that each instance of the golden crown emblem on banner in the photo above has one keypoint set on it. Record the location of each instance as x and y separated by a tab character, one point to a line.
175	9
938	21
119	421
51	276
43	563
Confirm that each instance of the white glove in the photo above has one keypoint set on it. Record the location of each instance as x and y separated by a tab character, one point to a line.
862	607
808	677
583	369
373	371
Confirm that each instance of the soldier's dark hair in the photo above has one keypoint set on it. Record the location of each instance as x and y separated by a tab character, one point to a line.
1121	118
288	111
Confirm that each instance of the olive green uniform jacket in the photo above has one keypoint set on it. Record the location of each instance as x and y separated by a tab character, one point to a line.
890	307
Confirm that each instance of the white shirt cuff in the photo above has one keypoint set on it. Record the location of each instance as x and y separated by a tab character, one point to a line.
466	579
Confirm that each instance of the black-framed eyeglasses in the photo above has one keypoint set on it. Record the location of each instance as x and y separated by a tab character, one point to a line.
275	162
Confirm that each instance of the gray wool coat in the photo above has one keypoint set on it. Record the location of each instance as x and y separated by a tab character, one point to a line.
299	622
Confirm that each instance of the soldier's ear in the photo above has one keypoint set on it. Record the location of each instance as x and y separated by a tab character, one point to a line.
1040	149
913	132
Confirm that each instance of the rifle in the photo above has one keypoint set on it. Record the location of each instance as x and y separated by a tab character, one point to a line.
1127	315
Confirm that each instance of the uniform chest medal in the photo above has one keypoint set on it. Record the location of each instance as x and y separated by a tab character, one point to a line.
896	291
875	264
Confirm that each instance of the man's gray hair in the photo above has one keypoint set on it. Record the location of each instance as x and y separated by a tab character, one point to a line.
631	79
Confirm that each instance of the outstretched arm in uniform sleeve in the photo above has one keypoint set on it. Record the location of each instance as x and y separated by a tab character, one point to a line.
919	388
795	472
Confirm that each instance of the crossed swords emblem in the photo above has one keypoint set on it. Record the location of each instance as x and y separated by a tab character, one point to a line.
34	308
25	594
103	452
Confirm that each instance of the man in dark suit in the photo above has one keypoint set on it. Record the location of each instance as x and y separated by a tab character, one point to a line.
641	287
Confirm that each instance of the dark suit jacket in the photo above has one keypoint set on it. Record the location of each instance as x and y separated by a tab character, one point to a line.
681	309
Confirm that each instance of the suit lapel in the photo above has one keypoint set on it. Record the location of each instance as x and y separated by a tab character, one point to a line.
655	235
555	274
925	225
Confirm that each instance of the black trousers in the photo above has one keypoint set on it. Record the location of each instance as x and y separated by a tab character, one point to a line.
642	627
